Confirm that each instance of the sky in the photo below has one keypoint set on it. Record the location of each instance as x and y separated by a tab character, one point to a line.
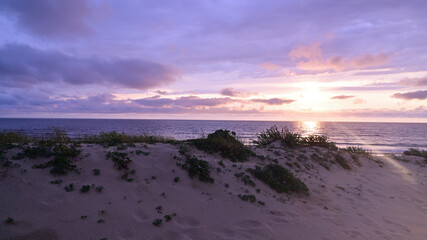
308	60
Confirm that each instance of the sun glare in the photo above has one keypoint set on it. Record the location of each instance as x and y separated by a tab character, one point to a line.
310	127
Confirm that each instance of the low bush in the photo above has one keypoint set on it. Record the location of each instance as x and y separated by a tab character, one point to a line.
415	152
249	198
198	168
246	179
226	143
279	179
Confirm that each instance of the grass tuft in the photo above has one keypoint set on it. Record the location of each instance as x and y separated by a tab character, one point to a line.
279	179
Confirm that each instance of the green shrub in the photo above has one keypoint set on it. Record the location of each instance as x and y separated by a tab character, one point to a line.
157	222
96	172
251	198
226	143
415	152
199	168
69	188
85	189
279	178
10	220
246	179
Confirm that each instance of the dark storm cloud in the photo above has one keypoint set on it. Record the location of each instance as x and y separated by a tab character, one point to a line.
422	94
51	18
21	66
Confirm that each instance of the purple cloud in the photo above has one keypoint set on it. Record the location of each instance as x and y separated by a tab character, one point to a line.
21	66
274	101
421	95
231	92
341	97
416	82
65	18
188	102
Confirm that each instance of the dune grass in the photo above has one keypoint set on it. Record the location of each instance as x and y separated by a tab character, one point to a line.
279	179
290	139
357	150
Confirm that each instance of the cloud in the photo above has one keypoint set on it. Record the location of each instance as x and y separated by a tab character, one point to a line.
416	82
359	101
231	92
311	58
341	97
21	66
421	95
270	66
65	18
274	101
188	102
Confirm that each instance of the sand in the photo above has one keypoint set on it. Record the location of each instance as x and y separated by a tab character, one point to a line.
383	198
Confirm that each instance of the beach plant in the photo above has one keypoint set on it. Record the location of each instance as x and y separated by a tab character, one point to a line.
83	217
321	161
99	188
176	179
342	161
224	142
268	136
246	179
157	222
120	159
198	168
85	189
318	141
261	203
159	209
279	179
357	150
248	197
415	152
58	181
115	138
96	172
69	188
221	163
100	220
168	218
10	220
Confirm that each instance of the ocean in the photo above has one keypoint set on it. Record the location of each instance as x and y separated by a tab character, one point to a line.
377	137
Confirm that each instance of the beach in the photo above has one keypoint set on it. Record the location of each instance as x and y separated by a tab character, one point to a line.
154	196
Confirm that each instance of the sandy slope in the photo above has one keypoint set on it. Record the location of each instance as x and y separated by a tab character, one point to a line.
372	201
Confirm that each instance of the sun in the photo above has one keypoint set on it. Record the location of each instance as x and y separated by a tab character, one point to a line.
311	96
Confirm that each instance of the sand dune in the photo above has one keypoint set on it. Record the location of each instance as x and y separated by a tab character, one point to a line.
379	198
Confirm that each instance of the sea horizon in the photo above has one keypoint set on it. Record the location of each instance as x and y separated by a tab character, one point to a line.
378	137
